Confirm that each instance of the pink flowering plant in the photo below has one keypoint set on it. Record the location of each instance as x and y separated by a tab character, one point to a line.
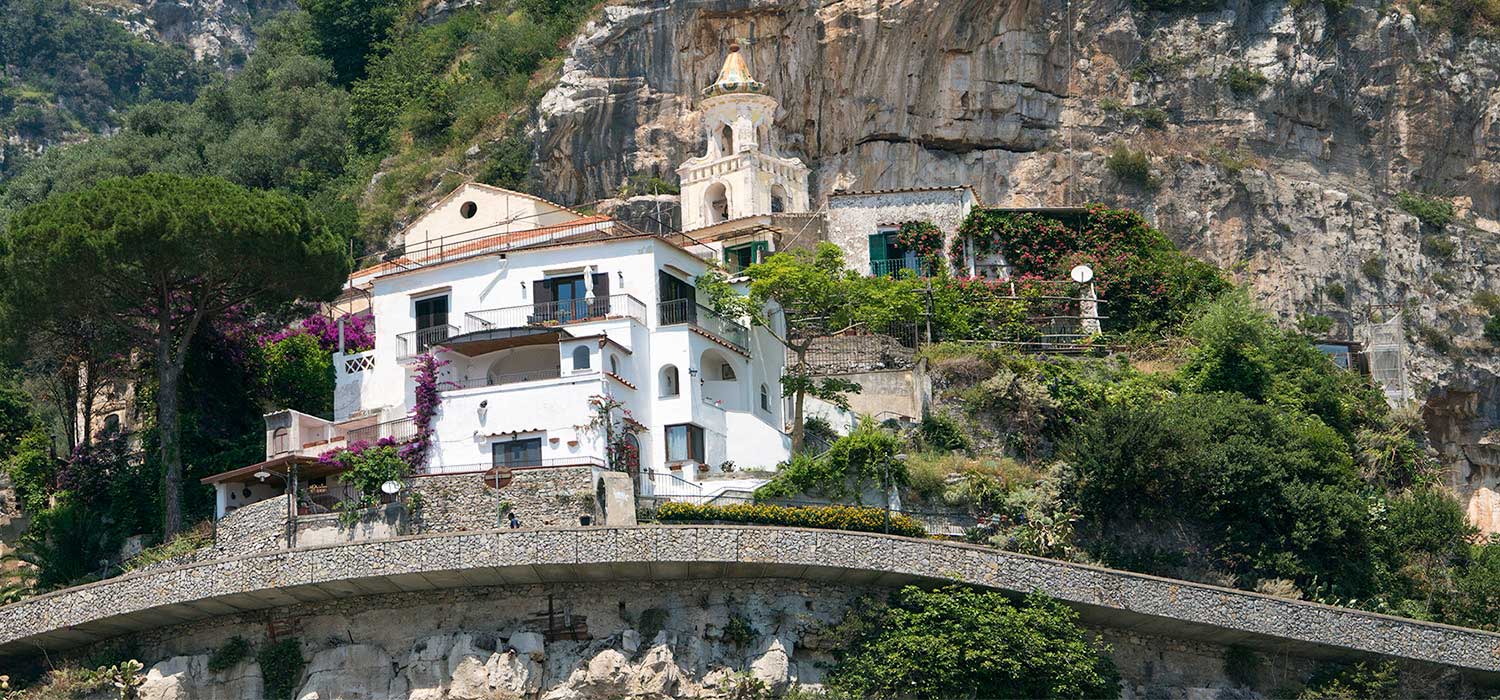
923	238
613	422
359	332
1143	278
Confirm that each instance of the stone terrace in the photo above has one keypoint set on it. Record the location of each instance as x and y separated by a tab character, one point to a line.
152	599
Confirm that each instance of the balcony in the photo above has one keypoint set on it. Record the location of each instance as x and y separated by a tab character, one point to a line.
686	311
894	267
421	340
534	375
556	313
400	430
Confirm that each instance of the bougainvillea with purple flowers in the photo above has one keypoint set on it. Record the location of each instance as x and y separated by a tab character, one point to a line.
359	332
428	397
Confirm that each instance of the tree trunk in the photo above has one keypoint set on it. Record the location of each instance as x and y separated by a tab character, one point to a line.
168	371
88	370
798	398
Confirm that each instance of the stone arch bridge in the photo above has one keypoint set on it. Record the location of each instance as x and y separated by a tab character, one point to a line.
169	596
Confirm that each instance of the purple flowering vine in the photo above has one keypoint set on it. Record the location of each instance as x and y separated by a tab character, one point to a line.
359	332
428	397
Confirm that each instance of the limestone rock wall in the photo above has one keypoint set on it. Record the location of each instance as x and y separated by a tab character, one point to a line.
212	29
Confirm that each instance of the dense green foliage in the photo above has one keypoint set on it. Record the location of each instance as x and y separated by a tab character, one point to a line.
281	665
1148	285
297	373
157	256
229	654
348	30
854	463
958	642
855	518
65	69
1432	211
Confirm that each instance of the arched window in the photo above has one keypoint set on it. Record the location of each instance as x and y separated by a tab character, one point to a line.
726	140
580	358
281	440
716	198
669	381
112	423
778	199
614	365
765	398
632	453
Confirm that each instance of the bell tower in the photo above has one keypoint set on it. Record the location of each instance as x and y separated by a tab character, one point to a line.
740	174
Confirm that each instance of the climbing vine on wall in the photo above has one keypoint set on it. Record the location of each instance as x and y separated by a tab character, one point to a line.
1142	276
924	238
619	447
425	408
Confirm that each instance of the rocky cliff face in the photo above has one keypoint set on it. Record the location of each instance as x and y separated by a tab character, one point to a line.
212	29
1277	136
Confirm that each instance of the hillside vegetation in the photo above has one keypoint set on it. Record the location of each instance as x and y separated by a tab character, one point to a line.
335	94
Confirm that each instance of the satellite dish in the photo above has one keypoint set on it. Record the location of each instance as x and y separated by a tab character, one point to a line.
1082	274
391	487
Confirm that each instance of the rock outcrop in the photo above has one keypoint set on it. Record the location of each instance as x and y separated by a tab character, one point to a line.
212	29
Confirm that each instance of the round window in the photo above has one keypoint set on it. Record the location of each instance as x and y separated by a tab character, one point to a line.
468	209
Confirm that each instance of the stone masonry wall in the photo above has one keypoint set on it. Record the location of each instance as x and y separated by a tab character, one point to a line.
545	497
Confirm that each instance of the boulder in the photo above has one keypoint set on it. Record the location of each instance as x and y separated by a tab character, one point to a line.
349	672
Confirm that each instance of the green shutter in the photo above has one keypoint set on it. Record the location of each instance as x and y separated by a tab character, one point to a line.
877	247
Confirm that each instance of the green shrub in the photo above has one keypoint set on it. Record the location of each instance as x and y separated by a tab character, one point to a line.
854	518
281	665
229	654
860	459
1233	162
1372	267
1435	212
1487	300
1363	680
297	373
1270	494
1132	167
1445	282
1335	292
1439	246
1244	82
940	431
958	642
1440	342
737	631
1315	326
1492	329
192	540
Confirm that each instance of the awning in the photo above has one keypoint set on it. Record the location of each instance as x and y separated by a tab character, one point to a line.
476	343
279	467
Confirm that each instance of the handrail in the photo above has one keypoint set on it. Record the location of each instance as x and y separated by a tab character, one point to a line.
400	429
504	379
556	313
421	340
686	311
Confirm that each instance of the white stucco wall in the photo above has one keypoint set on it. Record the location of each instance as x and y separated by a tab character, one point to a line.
494	211
854	217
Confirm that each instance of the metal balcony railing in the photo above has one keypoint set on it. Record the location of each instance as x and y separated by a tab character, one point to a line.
506	378
680	311
421	340
400	430
892	268
556	313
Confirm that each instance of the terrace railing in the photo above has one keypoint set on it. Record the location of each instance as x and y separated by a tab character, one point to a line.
421	340
400	430
506	378
556	313
686	311
892	268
